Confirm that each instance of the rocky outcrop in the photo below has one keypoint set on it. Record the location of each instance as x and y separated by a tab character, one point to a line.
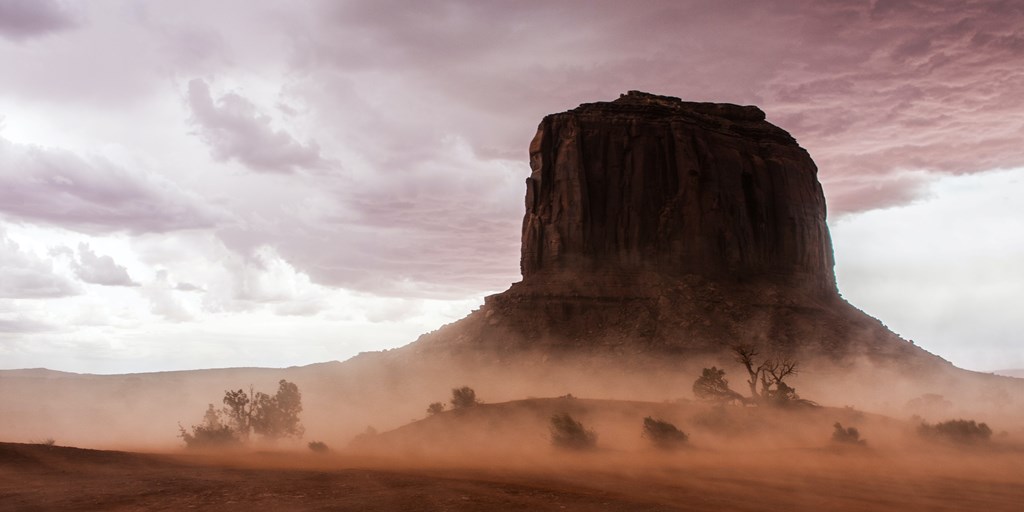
654	184
657	227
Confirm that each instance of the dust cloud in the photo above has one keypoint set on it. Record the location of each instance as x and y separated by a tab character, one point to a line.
371	413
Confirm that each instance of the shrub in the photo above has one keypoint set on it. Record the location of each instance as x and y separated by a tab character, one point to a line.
318	446
848	435
958	431
663	434
204	436
435	408
712	385
566	432
463	397
211	433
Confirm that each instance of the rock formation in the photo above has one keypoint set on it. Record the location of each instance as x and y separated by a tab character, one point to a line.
652	183
659	226
658	233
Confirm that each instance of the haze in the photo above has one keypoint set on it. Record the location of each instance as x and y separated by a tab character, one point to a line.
213	184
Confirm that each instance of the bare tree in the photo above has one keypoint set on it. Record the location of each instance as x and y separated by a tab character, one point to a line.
745	355
770	373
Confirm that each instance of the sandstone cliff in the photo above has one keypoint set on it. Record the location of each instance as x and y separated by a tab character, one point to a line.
652	183
658	226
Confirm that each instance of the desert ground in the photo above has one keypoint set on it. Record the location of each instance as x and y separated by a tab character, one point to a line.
498	457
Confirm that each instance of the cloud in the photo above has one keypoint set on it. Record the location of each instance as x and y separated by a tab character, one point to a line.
57	187
162	301
262	279
188	287
234	129
22	325
23	275
26	19
101	270
443	228
870	88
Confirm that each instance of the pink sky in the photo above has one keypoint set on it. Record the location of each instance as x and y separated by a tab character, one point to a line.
219	183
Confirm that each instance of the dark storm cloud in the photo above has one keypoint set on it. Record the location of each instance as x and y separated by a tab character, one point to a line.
26	19
57	187
234	128
870	88
886	96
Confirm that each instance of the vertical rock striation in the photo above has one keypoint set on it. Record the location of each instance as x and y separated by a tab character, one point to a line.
654	184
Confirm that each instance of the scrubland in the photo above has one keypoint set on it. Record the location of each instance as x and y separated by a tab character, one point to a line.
499	456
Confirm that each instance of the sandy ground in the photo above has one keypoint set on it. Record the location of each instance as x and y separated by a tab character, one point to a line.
36	477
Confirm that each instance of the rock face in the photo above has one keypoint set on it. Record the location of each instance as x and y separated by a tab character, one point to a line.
657	226
655	184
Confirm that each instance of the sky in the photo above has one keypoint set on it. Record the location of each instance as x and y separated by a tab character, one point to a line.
198	184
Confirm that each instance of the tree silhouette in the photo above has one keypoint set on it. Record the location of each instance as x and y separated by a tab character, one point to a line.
278	416
712	385
770	374
247	413
211	433
849	435
463	397
663	434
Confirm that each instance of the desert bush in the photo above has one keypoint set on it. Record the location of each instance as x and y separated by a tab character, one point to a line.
463	397
435	408
849	435
958	431
566	432
318	446
712	385
663	434
211	433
